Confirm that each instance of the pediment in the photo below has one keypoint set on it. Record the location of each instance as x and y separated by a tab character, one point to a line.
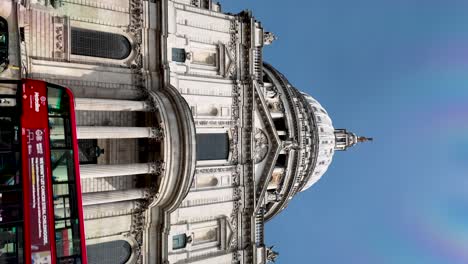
264	127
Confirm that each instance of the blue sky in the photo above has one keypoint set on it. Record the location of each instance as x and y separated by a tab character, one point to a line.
396	71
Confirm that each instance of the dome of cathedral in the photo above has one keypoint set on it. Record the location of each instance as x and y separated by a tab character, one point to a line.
306	138
326	141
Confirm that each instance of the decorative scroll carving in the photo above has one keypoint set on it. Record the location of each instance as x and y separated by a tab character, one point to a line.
59	38
135	29
138	216
261	145
213	122
232	47
233	145
237	194
236	176
213	170
234	223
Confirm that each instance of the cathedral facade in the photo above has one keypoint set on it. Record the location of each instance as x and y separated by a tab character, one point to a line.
199	140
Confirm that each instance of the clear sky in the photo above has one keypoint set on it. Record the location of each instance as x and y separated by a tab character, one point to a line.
396	71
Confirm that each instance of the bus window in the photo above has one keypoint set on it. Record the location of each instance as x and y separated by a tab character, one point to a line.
9	156
9	169
62	165
10	206
57	101
11	241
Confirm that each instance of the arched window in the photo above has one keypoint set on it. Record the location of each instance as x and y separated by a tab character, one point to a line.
112	252
100	44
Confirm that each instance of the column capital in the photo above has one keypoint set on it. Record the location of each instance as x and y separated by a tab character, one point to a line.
157	168
157	133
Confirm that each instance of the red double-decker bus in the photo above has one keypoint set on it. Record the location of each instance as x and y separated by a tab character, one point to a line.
41	219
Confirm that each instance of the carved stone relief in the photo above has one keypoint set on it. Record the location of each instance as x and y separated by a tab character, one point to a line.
261	145
59	38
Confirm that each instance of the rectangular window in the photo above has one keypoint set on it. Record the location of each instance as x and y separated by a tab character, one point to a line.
213	146
11	241
179	241
178	55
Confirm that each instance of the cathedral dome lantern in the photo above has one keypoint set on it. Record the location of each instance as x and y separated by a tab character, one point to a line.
345	139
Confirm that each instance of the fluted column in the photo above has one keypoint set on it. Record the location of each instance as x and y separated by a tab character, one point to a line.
91	104
112	196
99	171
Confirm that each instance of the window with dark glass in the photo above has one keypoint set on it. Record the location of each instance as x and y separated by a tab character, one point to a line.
178	55
112	252
179	241
212	146
100	44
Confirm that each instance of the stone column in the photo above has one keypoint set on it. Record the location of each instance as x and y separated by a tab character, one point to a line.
91	104
96	132
112	196
99	171
105	210
103	132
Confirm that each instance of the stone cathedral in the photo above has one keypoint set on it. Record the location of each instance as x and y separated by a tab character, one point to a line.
189	141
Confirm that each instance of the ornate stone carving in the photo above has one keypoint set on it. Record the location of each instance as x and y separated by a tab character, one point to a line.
234	145
236	176
213	122
59	40
271	255
273	196
232	48
135	29
272	91
234	221
268	38
213	170
260	146
157	168
237	194
287	145
157	133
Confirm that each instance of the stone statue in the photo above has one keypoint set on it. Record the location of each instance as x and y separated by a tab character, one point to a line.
268	38
271	255
290	144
